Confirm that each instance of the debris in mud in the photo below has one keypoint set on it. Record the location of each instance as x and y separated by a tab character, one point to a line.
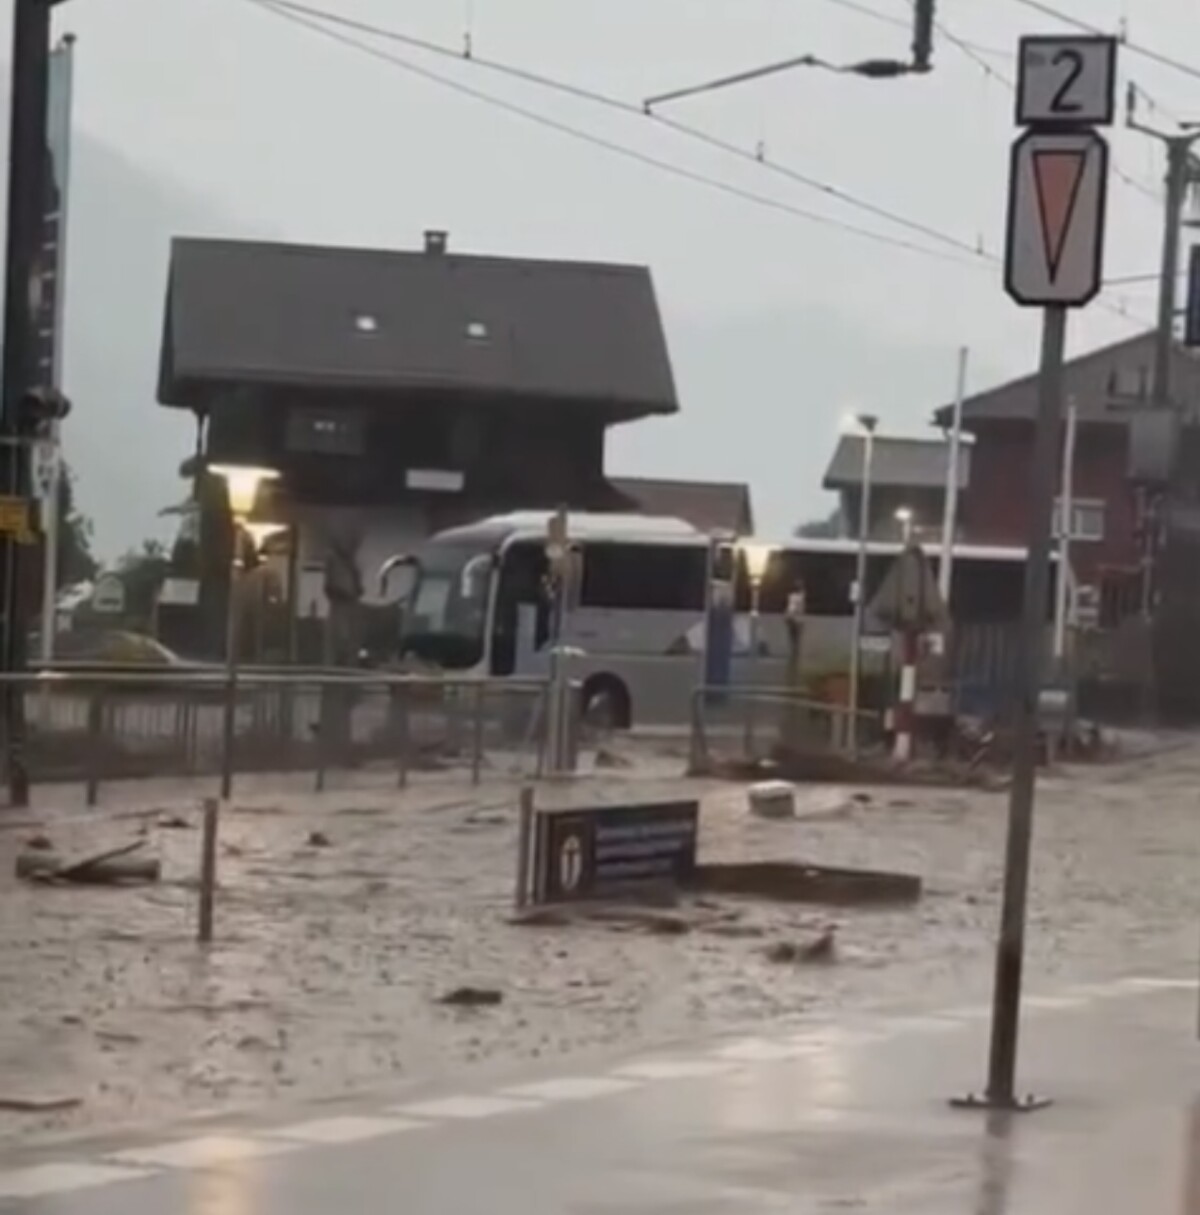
801	882
772	799
610	759
472	997
38	1105
116	867
821	949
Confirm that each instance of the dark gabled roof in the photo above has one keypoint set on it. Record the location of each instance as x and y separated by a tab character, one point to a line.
1105	384
900	463
242	312
709	506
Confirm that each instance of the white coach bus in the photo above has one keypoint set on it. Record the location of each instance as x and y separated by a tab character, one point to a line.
476	603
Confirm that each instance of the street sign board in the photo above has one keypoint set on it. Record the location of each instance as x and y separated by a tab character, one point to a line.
1191	324
1067	79
908	597
598	852
1058	188
108	595
15	519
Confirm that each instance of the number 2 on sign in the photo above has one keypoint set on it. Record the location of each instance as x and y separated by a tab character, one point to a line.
1062	103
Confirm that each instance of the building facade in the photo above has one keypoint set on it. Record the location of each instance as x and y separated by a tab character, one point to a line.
398	393
1114	488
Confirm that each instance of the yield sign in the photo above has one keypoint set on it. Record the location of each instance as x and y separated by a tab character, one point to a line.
1057	194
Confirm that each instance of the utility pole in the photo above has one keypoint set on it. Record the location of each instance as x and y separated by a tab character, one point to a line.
26	193
1182	170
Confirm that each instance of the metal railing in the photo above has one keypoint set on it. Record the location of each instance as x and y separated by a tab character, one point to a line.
742	725
98	725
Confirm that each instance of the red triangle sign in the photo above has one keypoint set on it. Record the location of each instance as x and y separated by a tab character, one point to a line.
1057	177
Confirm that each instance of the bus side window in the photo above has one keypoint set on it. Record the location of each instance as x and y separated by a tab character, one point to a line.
644	577
522	581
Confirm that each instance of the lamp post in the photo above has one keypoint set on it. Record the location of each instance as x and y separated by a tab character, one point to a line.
757	557
242	483
866	424
904	516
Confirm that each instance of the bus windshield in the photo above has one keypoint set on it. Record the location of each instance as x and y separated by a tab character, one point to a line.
445	617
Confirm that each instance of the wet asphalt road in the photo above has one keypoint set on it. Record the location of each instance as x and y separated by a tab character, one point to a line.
330	959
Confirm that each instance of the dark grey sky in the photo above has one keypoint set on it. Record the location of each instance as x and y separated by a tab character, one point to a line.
778	326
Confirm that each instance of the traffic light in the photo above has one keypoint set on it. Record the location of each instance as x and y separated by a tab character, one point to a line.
38	410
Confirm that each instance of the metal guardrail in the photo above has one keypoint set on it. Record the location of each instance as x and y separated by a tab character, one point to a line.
94	725
752	714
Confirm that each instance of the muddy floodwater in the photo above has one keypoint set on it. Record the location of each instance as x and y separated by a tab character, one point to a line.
343	918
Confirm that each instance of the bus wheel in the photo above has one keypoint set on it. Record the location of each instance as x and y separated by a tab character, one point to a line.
606	703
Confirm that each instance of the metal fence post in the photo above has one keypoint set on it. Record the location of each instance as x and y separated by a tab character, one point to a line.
541	734
95	730
208	869
697	746
477	735
403	725
524	837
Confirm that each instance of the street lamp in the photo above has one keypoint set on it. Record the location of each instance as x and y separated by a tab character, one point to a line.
866	425
904	517
242	483
757	557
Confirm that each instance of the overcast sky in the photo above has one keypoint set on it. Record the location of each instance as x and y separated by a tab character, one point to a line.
778	325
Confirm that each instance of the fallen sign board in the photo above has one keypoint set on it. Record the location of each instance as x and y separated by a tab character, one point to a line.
597	852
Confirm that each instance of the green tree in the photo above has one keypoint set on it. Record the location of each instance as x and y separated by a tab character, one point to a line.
822	529
75	560
142	571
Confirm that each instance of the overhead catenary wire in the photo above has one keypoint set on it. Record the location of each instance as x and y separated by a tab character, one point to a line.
973	53
318	22
755	156
286	11
1138	48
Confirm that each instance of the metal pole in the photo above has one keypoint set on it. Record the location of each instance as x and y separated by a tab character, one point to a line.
860	585
749	742
950	511
26	171
477	735
1178	154
524	837
59	140
229	720
208	869
1010	948
1065	518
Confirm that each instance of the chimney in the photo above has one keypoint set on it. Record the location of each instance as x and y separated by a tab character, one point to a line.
435	241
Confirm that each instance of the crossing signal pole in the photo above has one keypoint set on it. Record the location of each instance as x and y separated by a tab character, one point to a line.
27	156
1183	171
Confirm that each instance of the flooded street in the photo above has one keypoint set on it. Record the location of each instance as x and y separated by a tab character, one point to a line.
344	917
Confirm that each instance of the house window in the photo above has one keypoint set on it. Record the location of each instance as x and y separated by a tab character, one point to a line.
325	432
1087	520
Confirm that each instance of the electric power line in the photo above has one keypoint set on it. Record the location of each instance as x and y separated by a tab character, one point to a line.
855	6
285	10
1137	48
318	21
974	53
756	157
